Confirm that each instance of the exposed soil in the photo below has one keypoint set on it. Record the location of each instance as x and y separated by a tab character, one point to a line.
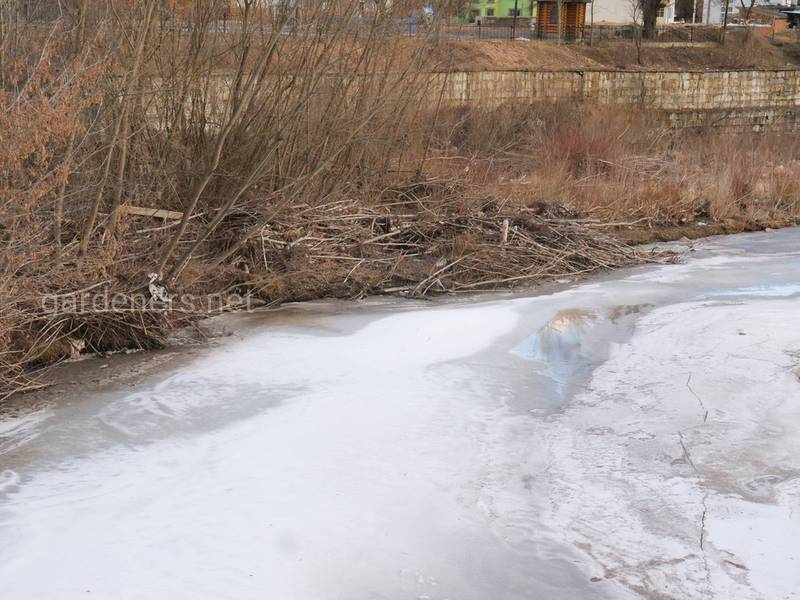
756	52
502	55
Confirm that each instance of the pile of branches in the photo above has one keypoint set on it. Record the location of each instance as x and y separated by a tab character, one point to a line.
60	310
423	239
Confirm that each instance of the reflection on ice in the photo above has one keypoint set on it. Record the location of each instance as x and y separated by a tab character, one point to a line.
560	339
568	346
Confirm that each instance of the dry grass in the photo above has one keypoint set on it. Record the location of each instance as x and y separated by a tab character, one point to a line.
739	52
623	166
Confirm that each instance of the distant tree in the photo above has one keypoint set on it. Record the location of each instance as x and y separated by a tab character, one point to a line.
747	8
650	10
746	12
725	22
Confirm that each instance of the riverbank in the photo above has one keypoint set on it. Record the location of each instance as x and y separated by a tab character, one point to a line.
126	216
96	372
433	239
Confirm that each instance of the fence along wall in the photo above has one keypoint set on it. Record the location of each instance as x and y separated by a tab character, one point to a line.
757	98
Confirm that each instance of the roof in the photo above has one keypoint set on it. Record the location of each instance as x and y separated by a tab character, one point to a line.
770	9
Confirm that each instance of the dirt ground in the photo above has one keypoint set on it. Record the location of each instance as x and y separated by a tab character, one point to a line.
756	52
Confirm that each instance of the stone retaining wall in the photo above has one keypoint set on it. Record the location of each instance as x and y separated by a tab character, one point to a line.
757	98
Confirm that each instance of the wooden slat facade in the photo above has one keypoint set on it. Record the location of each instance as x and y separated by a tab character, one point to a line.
571	24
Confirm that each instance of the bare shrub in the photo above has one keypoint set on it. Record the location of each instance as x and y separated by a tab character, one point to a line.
151	104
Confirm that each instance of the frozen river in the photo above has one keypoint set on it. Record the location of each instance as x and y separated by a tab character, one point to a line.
636	435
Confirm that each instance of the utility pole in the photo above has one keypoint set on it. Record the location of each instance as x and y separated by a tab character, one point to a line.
558	5
514	22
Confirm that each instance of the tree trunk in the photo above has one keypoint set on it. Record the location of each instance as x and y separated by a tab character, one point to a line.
724	23
649	17
80	26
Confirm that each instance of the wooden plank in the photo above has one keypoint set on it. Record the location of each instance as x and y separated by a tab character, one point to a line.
156	213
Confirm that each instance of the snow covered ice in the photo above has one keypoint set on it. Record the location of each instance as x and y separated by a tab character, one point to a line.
637	435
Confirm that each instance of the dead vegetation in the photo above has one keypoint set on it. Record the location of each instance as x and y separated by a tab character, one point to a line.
309	170
739	52
624	167
417	239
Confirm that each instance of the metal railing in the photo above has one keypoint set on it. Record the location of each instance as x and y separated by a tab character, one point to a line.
491	31
677	32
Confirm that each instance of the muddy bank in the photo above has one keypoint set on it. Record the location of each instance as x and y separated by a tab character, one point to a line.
524	264
696	230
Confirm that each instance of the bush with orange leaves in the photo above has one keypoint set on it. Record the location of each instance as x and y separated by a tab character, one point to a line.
41	135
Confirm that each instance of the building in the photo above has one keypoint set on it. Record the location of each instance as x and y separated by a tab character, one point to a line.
501	8
561	20
685	11
774	17
621	11
548	23
713	12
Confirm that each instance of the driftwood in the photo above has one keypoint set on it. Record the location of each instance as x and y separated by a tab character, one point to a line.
156	213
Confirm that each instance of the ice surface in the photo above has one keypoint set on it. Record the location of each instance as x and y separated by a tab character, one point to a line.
634	436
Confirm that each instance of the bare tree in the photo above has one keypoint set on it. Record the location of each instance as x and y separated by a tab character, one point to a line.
636	14
747	9
120	138
724	22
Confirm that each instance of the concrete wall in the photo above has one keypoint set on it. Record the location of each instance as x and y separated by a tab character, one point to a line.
761	92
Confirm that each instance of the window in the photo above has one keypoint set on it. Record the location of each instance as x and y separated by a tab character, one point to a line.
552	16
514	12
660	12
489	12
